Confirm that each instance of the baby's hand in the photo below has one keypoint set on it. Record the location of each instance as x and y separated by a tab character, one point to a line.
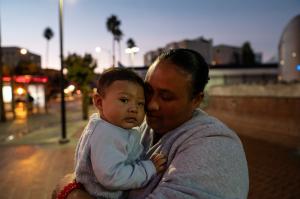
159	161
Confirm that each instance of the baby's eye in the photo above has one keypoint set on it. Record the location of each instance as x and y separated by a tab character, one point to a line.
124	100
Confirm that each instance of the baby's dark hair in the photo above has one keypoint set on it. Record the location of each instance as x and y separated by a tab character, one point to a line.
111	75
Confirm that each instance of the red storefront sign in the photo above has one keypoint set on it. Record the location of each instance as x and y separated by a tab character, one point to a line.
26	79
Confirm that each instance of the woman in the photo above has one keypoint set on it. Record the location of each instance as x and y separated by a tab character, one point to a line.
205	159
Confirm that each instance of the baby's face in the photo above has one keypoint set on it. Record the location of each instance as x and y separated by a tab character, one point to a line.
122	104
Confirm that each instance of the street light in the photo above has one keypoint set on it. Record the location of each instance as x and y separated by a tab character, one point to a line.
63	138
100	58
132	51
98	49
23	51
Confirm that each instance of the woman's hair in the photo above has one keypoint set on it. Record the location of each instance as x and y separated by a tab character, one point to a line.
190	62
109	76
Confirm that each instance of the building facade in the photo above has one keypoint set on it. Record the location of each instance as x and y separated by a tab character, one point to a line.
12	56
234	74
201	45
225	54
150	56
19	84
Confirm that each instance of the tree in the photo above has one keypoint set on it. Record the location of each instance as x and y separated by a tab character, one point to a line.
130	43
48	34
81	72
118	38
112	25
248	57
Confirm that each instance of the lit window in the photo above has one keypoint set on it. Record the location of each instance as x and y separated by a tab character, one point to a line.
294	54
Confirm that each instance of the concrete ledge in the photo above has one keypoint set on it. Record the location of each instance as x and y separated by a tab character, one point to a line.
272	90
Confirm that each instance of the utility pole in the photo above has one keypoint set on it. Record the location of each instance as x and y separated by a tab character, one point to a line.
2	109
63	138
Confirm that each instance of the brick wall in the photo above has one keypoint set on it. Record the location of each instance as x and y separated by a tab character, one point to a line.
275	119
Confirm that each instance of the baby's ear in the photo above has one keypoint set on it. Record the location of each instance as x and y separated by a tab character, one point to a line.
97	99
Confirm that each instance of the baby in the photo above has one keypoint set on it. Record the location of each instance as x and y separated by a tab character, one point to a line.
107	159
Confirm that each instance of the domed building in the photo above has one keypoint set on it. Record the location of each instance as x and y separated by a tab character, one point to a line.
289	52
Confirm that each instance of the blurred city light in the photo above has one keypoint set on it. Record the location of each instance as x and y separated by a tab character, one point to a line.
20	91
23	51
69	89
98	49
132	50
78	92
7	94
9	138
65	71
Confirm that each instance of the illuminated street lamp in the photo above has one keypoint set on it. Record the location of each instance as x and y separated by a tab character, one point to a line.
132	51
63	138
23	51
99	50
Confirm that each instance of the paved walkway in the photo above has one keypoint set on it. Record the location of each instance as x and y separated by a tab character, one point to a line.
274	170
31	171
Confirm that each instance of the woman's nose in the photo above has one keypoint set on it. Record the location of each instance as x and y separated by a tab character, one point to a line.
152	104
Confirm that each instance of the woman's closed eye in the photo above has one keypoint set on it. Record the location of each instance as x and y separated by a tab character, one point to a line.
124	100
166	96
142	104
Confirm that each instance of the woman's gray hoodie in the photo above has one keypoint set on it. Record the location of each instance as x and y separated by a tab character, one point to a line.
206	160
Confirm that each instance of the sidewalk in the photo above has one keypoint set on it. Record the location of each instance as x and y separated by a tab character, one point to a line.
274	170
32	163
30	167
34	125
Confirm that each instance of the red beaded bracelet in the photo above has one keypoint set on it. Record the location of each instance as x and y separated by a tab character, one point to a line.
68	189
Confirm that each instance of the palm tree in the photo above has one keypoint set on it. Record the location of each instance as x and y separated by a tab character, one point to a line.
118	38
112	24
48	34
130	43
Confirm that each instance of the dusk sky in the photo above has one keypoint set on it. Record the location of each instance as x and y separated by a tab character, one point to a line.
151	24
